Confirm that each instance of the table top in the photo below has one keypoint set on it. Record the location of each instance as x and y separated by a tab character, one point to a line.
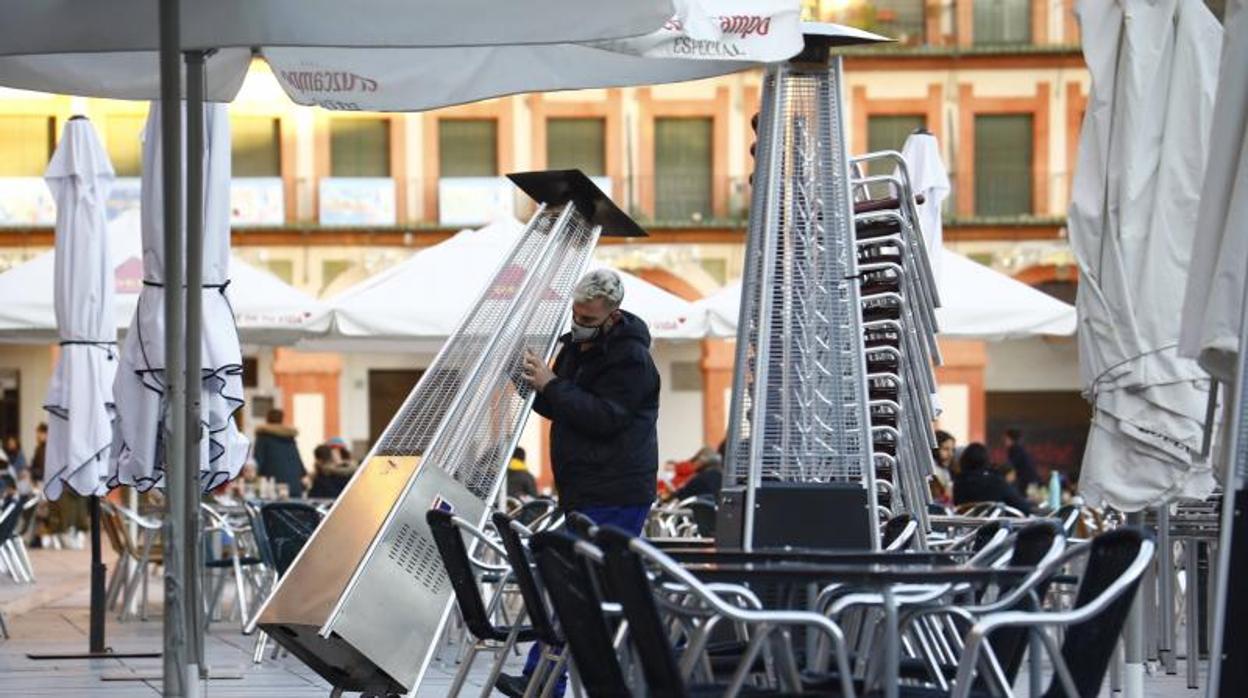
831	557
866	575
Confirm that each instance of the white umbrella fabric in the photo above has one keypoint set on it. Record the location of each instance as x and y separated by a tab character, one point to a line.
422	55
80	396
267	310
929	178
977	303
140	378
1215	281
424	297
1133	208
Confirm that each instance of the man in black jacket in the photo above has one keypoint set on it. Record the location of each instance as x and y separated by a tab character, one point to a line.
602	399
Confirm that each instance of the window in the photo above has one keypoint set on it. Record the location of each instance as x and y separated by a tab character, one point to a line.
26	144
256	146
359	147
468	147
901	20
577	144
890	133
682	169
1002	22
1003	149
123	138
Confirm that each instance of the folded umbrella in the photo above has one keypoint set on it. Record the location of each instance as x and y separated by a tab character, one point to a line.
80	396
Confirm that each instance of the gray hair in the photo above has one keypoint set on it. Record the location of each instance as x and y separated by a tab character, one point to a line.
600	283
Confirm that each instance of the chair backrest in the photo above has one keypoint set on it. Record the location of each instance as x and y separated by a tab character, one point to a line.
1090	645
533	510
704	513
580	525
646	629
984	535
522	569
1068	517
10	512
895	529
576	603
287	528
1032	543
112	524
454	552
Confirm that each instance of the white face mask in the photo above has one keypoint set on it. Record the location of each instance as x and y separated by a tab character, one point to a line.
584	333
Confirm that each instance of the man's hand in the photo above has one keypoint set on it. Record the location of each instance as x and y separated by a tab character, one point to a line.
536	372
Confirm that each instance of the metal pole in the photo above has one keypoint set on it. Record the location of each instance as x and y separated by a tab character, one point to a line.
95	642
1133	637
194	329
178	674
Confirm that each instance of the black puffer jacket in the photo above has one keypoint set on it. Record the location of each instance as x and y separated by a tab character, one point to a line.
603	405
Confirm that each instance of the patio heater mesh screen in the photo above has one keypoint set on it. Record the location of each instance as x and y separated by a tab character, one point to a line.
365	601
799	402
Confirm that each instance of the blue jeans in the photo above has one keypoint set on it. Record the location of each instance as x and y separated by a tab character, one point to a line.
631	519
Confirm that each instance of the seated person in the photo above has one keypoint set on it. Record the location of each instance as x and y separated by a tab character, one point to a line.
706	482
978	481
332	474
520	482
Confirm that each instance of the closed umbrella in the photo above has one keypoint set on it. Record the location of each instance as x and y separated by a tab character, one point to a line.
929	178
1133	209
140	378
80	396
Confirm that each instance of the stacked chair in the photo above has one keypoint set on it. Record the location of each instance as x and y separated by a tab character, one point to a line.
898	300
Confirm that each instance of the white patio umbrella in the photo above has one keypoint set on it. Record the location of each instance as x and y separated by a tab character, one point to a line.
1133	209
930	179
421	300
140	378
1215	282
977	303
417	56
80	397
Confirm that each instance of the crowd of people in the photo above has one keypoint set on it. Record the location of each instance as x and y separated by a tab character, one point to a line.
62	523
968	475
276	469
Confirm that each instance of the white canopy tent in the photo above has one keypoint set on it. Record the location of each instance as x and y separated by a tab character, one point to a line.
976	303
417	303
1134	204
267	310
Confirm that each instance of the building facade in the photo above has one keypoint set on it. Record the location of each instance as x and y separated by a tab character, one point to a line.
325	199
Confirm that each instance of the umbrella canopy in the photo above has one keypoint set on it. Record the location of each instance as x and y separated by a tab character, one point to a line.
266	309
1133	208
929	178
140	377
426	296
422	55
80	396
977	303
1213	305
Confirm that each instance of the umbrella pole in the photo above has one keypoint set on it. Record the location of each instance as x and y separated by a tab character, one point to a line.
98	571
180	676
96	648
194	359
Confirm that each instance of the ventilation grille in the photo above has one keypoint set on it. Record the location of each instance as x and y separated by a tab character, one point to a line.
416	555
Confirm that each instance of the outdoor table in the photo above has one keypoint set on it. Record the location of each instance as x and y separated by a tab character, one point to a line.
814	556
876	577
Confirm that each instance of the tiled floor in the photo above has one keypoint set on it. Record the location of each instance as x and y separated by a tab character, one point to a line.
51	616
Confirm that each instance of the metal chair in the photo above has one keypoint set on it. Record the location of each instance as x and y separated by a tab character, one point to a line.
236	555
280	530
478	617
147	552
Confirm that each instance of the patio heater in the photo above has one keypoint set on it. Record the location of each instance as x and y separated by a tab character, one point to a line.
365	601
826	333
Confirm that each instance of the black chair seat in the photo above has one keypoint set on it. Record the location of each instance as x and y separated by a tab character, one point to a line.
499	634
